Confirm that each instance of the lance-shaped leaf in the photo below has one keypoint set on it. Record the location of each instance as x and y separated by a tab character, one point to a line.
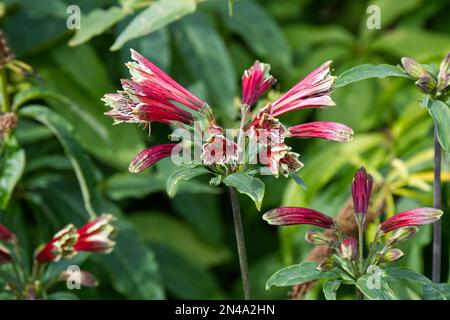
367	71
440	113
184	174
95	23
330	288
157	15
81	164
298	274
251	186
12	163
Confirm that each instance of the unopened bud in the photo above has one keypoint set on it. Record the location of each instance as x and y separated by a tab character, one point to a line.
389	256
401	235
326	264
444	74
349	249
426	84
317	238
413	68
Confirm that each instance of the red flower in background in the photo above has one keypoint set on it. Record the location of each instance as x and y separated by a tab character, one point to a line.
6	235
410	218
298	215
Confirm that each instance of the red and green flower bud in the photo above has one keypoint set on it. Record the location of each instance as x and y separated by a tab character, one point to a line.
61	246
150	156
317	238
361	190
349	249
256	81
426	84
298	215
410	218
390	255
401	235
413	68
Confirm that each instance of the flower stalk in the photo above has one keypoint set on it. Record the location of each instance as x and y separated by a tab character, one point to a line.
240	242
4	90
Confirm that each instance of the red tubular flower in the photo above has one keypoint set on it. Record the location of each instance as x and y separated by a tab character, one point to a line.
312	92
410	218
6	235
256	81
298	215
5	257
361	189
322	129
95	235
159	84
61	246
150	156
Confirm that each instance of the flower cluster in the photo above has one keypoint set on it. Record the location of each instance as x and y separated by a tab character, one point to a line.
94	236
345	249
427	80
152	96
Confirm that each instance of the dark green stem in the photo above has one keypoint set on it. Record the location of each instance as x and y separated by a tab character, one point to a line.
240	241
4	90
437	226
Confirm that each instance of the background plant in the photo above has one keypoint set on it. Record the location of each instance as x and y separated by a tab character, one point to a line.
292	36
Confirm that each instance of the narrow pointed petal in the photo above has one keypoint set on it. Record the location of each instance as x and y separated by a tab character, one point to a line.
410	218
298	215
6	235
323	130
361	190
150	156
146	73
313	91
256	81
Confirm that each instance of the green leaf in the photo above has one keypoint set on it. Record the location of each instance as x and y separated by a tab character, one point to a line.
438	291
298	180
81	164
207	57
367	71
265	37
251	186
375	286
298	274
184	174
193	282
12	164
164	229
330	287
407	274
403	42
95	23
440	113
157	15
131	266
62	296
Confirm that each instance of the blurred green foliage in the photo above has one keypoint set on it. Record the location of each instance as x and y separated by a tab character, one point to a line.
183	247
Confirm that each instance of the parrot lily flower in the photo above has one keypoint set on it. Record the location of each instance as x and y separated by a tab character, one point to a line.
61	246
298	215
150	156
410	218
256	81
95	235
323	130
